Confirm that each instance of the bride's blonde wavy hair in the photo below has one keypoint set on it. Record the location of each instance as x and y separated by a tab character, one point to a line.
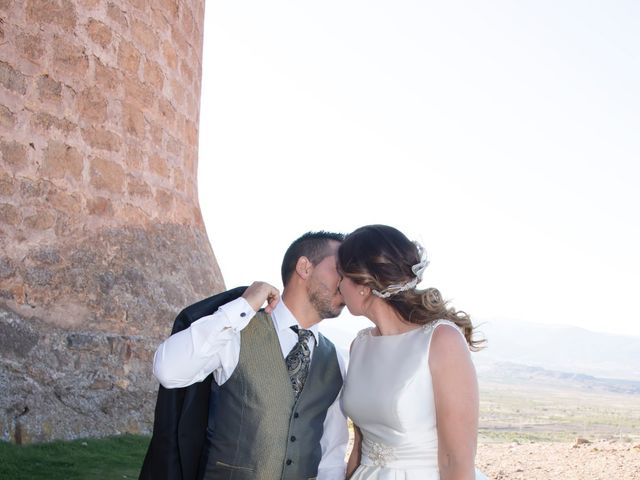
377	256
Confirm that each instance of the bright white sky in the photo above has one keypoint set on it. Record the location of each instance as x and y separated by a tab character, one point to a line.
505	136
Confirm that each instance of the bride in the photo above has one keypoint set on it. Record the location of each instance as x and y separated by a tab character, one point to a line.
411	389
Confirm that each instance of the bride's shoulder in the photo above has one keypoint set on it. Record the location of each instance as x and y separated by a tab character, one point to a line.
365	332
429	327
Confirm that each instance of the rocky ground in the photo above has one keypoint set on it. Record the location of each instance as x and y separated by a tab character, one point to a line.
601	460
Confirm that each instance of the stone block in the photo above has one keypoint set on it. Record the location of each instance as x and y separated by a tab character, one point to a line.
174	146
107	175
57	12
137	187
186	72
49	89
156	132
167	111
71	204
44	122
159	166
178	92
178	179
187	21
139	4
128	57
133	214
107	78
159	19
191	132
60	160
117	15
153	75
102	139
30	46
7	267
144	36
133	120
138	93
91	106
164	199
170	55
41	220
38	276
69	59
99	32
179	41
17	338
134	157
169	7
100	206
46	256
66	227
7	186
33	190
12	79
14	154
7	118
10	215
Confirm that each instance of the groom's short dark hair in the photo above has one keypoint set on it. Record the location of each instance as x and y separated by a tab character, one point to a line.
312	245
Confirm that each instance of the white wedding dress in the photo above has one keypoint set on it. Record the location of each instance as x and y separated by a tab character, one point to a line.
389	395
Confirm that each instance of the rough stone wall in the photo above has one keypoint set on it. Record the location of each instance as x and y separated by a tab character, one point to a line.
102	240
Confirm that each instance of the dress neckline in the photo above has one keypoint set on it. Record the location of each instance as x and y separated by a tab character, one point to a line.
396	335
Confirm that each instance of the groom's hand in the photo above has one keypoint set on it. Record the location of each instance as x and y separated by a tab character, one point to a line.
260	292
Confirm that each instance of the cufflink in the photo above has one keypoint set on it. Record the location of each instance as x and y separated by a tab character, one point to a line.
243	314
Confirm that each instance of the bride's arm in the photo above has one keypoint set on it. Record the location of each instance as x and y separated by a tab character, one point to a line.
354	457
455	390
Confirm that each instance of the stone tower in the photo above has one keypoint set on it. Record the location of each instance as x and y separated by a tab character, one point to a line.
102	240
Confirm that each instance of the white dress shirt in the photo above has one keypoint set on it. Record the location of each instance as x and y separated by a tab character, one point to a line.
212	344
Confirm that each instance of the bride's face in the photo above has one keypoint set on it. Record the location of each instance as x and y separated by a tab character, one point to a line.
351	294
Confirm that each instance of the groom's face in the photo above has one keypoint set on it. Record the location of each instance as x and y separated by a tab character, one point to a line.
322	286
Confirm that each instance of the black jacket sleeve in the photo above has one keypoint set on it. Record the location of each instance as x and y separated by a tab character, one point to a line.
181	414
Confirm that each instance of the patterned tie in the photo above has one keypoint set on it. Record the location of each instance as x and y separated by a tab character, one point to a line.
298	360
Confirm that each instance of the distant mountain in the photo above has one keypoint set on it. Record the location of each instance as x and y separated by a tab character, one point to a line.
561	349
512	373
524	347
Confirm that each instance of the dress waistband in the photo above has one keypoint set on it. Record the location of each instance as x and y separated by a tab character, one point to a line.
408	456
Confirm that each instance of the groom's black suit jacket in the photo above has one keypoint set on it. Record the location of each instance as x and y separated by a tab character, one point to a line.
182	414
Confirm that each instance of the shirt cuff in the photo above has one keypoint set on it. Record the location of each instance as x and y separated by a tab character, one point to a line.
332	473
238	313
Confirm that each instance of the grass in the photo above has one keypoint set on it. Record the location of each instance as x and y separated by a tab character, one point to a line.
90	459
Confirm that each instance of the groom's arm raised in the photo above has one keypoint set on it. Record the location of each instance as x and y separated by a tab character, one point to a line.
212	343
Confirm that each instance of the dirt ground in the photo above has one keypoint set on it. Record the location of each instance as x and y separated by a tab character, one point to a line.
602	460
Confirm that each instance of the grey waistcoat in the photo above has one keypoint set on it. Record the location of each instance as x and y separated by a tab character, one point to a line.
259	430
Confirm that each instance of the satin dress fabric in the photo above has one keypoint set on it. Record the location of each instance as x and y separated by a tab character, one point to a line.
388	393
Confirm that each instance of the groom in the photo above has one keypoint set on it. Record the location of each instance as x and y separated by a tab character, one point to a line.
272	409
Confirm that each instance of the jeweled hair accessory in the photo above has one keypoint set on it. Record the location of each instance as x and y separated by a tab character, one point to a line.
417	269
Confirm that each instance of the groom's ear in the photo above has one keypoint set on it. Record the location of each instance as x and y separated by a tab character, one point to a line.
304	267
